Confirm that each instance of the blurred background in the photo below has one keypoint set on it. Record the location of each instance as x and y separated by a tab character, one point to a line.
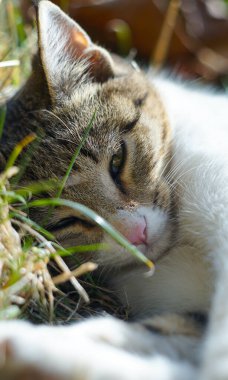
188	36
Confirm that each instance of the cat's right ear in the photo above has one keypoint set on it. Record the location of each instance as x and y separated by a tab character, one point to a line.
67	54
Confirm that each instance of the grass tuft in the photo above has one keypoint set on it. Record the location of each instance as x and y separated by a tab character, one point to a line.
23	267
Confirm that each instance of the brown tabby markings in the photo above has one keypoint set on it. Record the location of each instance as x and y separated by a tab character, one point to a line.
127	108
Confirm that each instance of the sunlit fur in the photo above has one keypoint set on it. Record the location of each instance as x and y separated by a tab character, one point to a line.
175	177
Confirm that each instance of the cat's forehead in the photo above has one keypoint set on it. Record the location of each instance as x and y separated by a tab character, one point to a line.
112	109
116	103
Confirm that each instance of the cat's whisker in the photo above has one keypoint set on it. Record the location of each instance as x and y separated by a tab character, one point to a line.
183	174
167	164
175	169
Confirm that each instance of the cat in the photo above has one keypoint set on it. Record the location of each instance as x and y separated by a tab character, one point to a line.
155	165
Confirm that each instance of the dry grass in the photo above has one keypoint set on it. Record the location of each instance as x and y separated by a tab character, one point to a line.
23	268
24	252
23	271
26	256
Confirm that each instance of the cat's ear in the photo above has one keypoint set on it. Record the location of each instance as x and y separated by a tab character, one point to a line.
67	53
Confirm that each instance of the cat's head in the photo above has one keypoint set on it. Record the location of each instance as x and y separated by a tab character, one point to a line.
120	170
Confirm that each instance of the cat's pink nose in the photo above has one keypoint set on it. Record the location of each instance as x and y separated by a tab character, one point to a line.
137	232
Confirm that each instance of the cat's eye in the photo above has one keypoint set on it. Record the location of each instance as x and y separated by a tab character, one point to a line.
70	221
117	163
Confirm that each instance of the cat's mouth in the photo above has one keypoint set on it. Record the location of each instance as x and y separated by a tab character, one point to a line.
157	240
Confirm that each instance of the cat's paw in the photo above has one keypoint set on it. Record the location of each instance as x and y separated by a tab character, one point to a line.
31	352
100	349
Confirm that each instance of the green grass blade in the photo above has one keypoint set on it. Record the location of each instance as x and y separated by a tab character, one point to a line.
37	187
12	197
18	149
123	35
74	157
98	220
26	158
81	248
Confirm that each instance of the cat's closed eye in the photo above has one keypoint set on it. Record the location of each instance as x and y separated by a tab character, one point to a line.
69	222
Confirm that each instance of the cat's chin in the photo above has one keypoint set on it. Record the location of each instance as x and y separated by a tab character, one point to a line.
149	251
156	249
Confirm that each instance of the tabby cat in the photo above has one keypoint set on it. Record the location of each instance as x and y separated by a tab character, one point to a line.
155	165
